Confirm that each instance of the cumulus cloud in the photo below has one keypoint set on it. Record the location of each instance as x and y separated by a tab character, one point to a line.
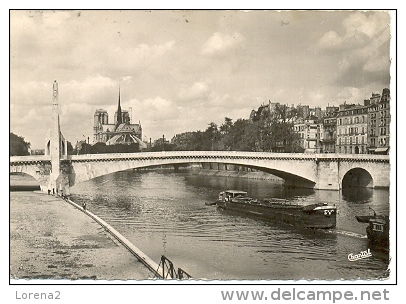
331	40
362	51
141	52
220	43
369	24
198	91
359	30
355	95
95	89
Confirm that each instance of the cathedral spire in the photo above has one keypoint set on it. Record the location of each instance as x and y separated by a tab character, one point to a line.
119	115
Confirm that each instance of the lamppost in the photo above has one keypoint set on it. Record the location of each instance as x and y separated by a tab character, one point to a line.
88	143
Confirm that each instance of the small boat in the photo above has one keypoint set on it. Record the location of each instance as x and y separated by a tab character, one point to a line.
377	229
318	215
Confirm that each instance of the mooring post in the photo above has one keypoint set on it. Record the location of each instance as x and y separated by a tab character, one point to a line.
163	266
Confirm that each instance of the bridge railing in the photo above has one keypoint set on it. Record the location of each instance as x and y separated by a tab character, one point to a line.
118	156
308	156
30	158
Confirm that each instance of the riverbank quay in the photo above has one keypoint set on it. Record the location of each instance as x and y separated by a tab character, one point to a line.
50	238
238	174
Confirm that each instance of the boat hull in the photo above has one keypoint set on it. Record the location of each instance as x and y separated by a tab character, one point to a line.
378	239
377	230
318	217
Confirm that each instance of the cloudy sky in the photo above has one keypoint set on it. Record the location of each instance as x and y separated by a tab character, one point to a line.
181	70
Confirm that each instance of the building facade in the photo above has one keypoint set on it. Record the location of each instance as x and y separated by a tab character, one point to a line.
347	129
379	123
311	134
352	125
330	129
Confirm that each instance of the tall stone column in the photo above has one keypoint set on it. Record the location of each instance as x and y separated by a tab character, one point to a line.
55	140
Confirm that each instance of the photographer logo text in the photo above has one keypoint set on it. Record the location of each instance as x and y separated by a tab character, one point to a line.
362	255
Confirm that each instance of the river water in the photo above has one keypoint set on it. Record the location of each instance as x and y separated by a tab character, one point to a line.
164	213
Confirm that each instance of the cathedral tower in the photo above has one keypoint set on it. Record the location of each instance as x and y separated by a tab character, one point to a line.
119	115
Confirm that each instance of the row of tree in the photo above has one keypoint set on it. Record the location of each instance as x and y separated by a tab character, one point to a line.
18	145
101	148
271	132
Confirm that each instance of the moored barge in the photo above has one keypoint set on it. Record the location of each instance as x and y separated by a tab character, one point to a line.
318	215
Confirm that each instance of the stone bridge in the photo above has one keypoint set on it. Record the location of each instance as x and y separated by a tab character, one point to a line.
56	170
318	171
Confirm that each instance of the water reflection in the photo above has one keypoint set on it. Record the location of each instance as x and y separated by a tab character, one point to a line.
357	195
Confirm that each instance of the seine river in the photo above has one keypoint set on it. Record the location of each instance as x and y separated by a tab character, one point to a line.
164	213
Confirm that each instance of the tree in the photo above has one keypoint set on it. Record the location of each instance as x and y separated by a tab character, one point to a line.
237	139
279	132
70	149
211	137
82	147
226	126
18	146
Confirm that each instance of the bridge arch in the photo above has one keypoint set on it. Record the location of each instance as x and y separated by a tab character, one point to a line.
21	181
38	166
88	168
357	178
